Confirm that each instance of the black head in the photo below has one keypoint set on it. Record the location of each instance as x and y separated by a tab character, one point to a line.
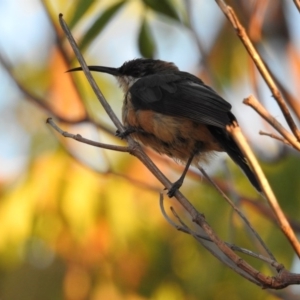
141	67
135	68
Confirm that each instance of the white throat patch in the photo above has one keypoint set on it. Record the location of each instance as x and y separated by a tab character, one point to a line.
126	82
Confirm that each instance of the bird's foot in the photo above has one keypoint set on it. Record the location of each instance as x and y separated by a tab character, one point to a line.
125	133
129	130
174	188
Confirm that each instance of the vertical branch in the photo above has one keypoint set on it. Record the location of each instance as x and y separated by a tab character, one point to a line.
237	135
240	30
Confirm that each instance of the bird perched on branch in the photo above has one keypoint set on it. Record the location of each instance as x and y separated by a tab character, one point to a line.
175	113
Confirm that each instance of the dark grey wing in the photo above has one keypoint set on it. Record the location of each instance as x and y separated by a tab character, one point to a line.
181	95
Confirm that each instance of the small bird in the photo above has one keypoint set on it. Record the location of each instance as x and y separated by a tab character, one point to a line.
175	113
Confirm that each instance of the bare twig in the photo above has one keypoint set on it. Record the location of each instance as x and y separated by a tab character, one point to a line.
274	136
81	139
236	133
184	228
238	211
89	76
291	100
240	30
267	212
258	107
297	3
40	102
35	99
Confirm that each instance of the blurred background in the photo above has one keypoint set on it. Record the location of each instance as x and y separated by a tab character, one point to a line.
78	222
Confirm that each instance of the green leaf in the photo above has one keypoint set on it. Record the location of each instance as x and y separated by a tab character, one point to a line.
81	7
99	24
146	41
164	7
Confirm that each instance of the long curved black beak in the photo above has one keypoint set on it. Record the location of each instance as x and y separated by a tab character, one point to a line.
112	71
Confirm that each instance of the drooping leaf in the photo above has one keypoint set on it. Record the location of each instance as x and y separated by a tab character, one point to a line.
99	24
81	7
164	7
145	40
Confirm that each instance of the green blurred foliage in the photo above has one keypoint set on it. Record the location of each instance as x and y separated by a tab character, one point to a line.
145	40
81	223
100	24
164	7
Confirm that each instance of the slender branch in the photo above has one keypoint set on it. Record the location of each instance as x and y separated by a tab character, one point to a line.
291	100
238	211
59	39
274	136
184	228
202	239
240	30
204	51
40	102
237	135
267	213
89	76
297	3
81	139
258	107
35	99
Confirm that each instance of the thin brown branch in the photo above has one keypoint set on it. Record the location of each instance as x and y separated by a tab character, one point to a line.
202	240
83	140
42	104
203	48
297	3
239	212
184	228
256	276
58	38
241	33
237	135
258	107
267	213
89	76
291	100
34	98
275	137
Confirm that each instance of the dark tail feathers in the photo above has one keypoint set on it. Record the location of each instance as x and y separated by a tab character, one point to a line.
232	149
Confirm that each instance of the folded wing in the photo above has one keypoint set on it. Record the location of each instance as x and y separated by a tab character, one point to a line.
181	95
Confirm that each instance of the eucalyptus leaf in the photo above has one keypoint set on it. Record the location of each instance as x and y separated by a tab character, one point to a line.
81	7
146	41
164	7
100	24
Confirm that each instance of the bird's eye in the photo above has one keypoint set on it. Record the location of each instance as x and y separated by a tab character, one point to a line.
136	73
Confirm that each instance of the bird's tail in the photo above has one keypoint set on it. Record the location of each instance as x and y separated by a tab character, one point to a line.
232	149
